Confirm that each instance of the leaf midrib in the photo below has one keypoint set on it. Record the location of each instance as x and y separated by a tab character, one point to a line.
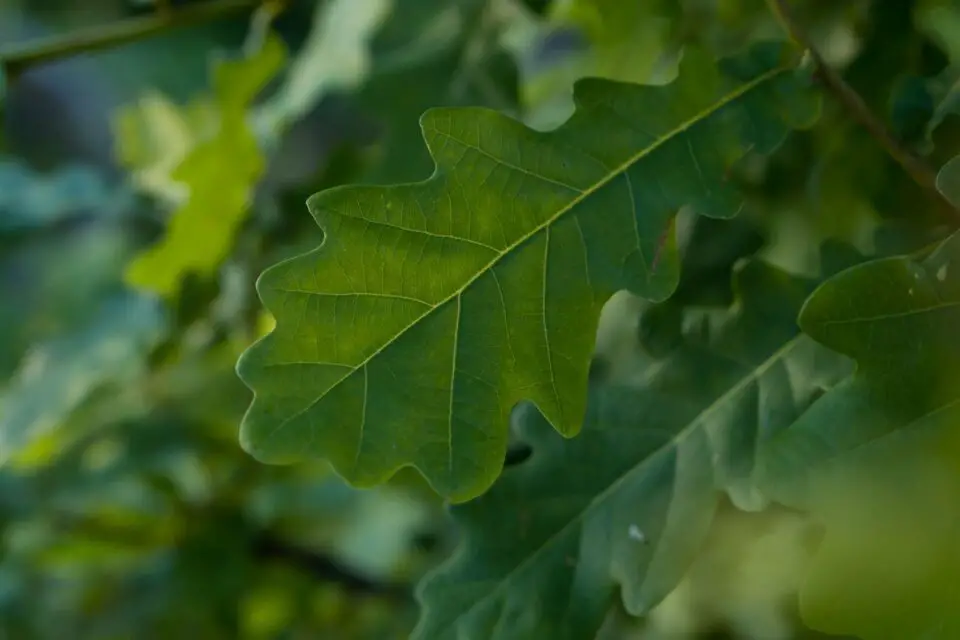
583	195
941	306
733	391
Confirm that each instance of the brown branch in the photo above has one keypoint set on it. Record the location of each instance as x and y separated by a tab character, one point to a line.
18	58
851	101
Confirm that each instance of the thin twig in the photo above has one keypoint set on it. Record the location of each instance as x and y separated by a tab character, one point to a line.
260	23
922	174
18	58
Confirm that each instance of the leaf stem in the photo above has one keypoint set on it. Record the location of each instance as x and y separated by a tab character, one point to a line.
918	170
18	58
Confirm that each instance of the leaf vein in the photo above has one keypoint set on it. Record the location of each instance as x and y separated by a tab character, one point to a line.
754	374
890	316
509	165
453	384
355	294
581	196
434	234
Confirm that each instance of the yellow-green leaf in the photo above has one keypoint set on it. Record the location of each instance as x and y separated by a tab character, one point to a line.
218	174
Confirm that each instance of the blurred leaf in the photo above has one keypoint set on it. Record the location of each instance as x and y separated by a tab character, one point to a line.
877	457
31	201
445	50
56	377
421	29
626	40
54	283
154	136
375	539
267	611
710	252
444	80
482	244
628	503
946	94
201	231
912	109
948	181
940	19
921	106
335	57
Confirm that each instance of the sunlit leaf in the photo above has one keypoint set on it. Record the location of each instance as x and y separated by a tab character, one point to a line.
219	174
154	135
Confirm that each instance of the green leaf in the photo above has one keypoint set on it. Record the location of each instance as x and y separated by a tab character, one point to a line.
201	231
154	135
921	105
433	308
621	40
712	249
946	93
937	97
940	20
912	107
547	546
442	81
452	61
948	181
335	57
877	458
58	376
32	200
627	39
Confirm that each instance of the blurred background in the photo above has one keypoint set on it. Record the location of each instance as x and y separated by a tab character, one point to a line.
156	155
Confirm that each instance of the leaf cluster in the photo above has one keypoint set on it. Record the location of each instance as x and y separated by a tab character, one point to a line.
573	290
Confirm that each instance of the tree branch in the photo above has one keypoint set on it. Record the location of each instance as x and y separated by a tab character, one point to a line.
922	174
321	567
18	58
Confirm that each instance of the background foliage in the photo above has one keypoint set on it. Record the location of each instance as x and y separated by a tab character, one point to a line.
761	445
